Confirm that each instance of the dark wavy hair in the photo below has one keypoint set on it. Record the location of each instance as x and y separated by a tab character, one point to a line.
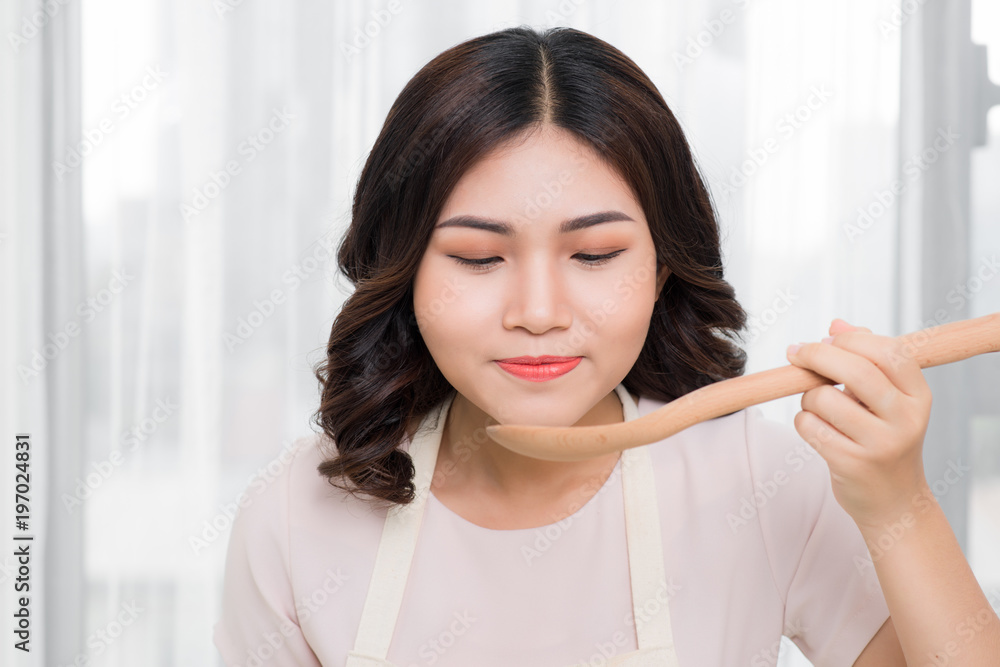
378	376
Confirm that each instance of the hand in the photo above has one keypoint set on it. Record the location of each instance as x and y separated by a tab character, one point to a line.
871	434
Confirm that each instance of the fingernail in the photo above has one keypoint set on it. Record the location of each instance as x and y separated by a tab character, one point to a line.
828	339
792	349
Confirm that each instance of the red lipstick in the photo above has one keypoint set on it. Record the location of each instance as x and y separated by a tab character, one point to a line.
539	369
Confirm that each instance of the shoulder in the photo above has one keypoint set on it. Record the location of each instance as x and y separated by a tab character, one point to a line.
291	523
311	495
259	597
289	493
263	504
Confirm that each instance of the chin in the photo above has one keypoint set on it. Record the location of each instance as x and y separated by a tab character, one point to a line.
553	410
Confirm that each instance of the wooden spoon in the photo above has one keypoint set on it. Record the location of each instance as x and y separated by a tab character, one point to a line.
933	346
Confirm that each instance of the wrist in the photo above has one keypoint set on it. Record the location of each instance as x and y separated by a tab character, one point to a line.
905	512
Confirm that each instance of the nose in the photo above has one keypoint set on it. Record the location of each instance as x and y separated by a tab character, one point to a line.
537	298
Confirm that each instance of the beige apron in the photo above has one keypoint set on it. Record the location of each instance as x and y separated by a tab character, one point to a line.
642	531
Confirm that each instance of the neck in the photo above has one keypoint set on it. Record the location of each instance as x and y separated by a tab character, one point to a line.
467	459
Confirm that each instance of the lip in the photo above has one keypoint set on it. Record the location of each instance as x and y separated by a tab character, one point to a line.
539	369
544	359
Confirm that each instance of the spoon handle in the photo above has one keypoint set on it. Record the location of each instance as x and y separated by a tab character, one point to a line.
933	346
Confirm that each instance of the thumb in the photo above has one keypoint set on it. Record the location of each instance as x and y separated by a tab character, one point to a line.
838	326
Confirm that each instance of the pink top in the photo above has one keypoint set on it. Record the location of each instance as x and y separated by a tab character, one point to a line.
755	546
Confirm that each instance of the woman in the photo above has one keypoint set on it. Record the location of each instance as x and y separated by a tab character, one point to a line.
532	243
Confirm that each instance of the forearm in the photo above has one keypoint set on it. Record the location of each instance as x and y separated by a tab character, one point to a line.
939	611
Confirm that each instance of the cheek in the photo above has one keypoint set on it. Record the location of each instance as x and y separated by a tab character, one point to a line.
446	305
623	304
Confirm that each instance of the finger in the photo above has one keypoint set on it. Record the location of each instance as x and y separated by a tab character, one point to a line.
848	368
838	325
890	357
835	447
850	394
842	412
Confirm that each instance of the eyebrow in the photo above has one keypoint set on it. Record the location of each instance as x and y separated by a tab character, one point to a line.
504	228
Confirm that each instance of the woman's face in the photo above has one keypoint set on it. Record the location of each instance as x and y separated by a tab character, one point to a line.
526	287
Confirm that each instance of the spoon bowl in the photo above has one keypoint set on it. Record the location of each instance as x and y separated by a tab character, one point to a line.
934	346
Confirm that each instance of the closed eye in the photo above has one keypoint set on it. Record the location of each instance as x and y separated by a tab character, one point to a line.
486	263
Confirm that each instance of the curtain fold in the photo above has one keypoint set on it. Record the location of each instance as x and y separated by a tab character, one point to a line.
41	337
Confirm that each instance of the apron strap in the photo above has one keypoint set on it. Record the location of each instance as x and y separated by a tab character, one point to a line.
402	525
650	592
645	546
396	547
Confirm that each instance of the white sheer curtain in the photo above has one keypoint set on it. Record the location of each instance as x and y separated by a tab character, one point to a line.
216	146
984	247
41	352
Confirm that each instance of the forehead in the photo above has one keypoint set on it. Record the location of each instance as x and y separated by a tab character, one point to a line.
541	172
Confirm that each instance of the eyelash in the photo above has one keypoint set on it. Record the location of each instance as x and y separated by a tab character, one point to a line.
486	263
